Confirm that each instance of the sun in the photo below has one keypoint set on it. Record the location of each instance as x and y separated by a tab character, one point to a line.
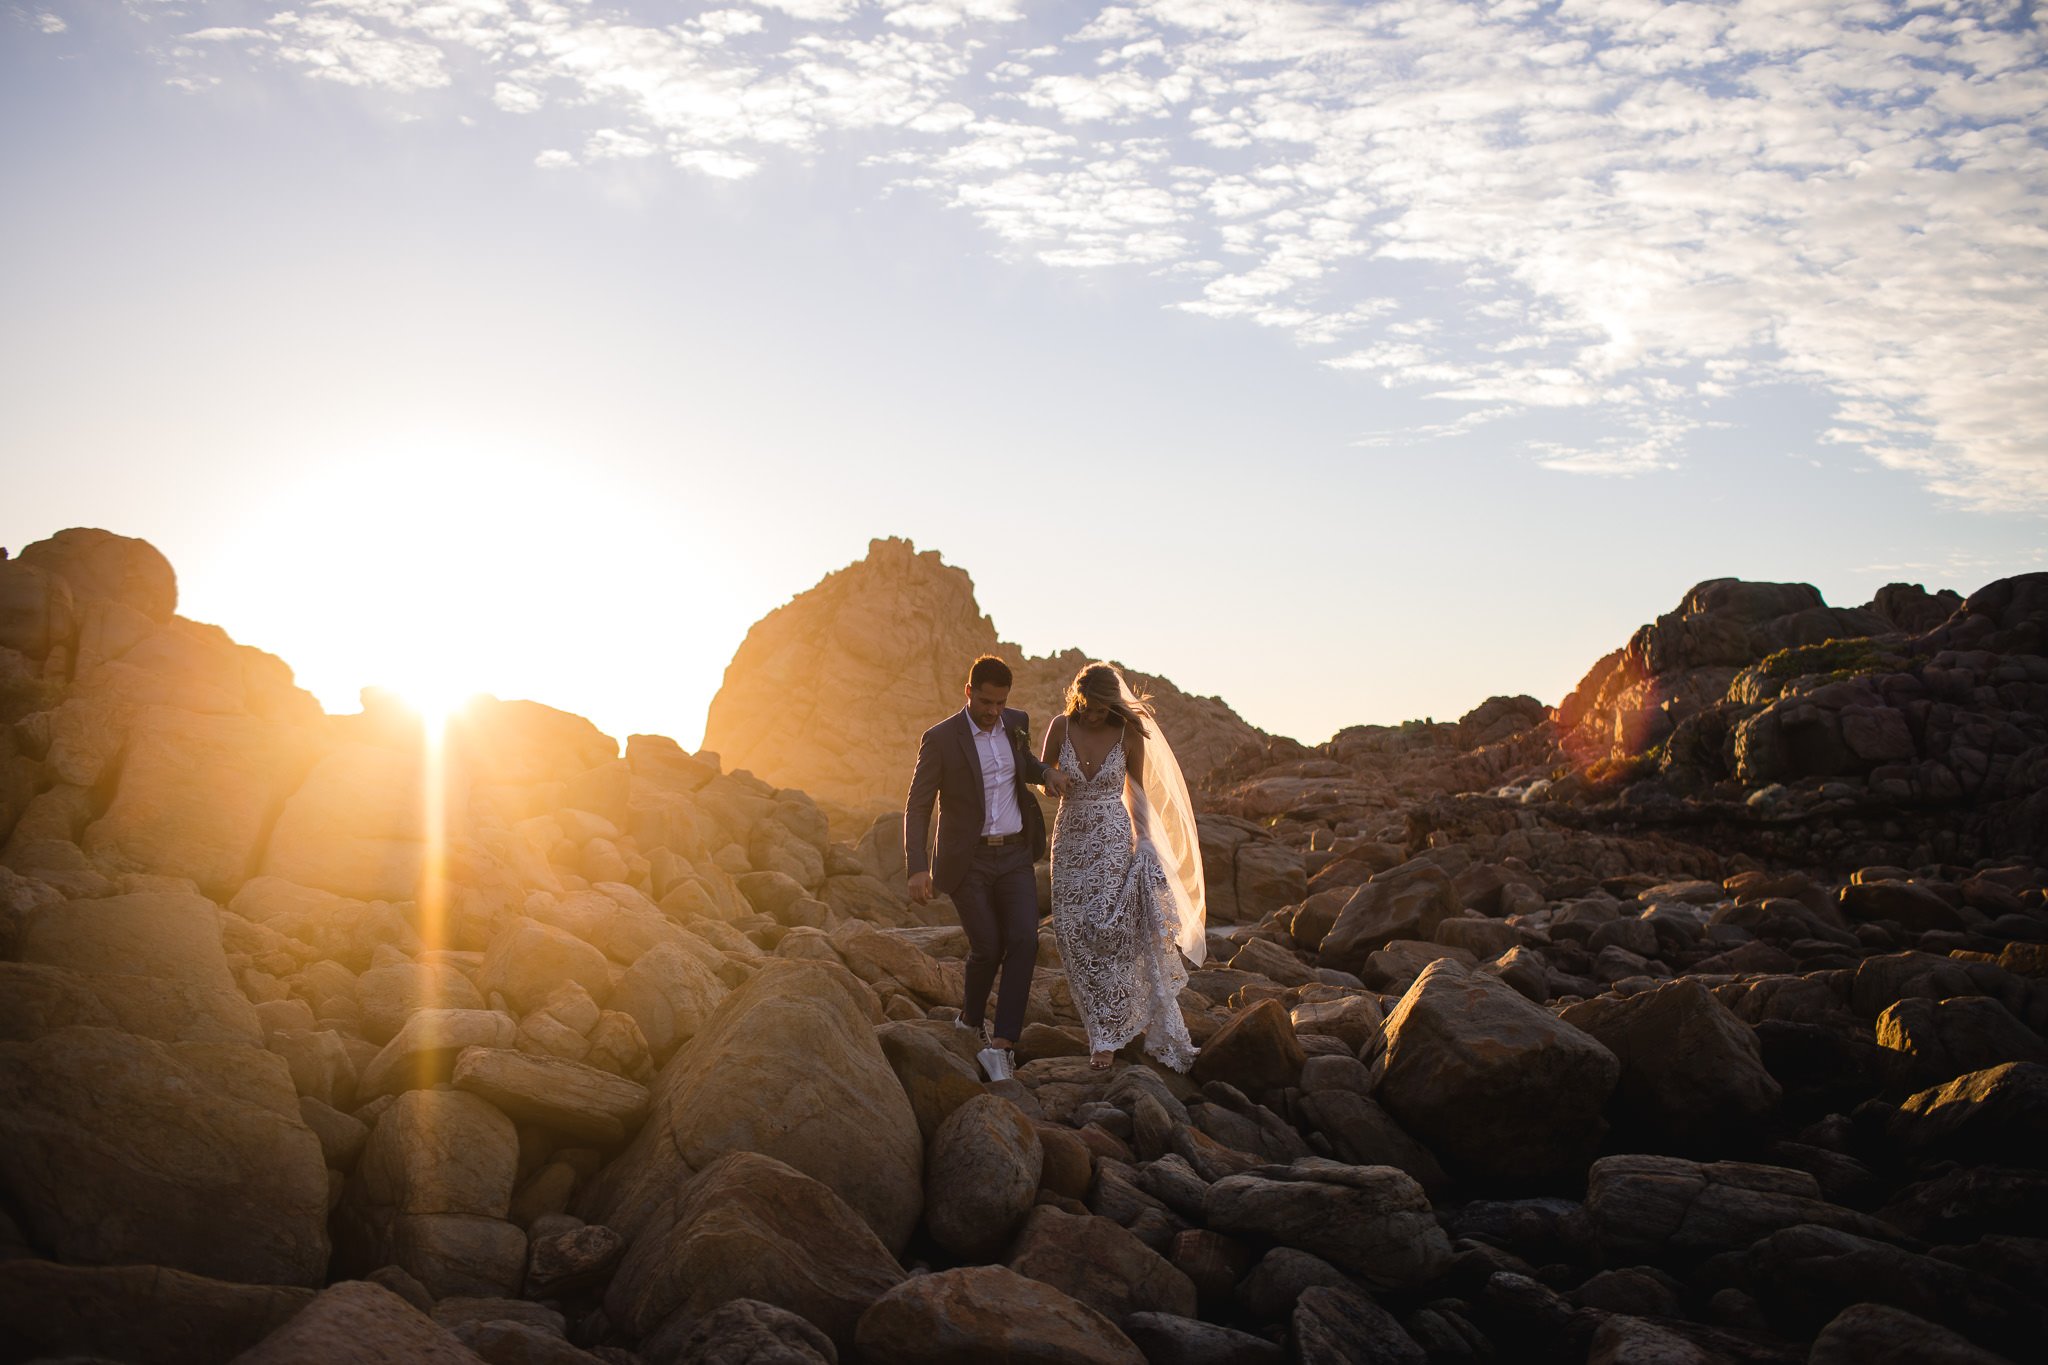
437	698
434	566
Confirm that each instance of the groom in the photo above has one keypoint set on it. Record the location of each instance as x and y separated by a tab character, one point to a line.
975	763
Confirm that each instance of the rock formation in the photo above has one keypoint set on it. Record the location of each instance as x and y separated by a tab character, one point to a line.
1504	1058
830	691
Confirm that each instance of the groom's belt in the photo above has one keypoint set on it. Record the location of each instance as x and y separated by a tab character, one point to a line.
998	840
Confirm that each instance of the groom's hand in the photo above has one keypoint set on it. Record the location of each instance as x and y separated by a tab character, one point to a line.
920	887
1057	781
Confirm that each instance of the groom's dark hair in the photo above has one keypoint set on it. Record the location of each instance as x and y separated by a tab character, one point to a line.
991	670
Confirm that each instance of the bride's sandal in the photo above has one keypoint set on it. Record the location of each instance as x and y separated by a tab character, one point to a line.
1101	1061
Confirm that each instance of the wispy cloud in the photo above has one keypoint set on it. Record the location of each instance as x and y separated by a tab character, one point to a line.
1630	209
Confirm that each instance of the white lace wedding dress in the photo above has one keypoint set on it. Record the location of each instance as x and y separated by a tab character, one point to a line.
1114	918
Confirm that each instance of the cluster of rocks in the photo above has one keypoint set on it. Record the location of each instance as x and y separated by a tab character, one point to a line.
830	691
640	1063
1911	730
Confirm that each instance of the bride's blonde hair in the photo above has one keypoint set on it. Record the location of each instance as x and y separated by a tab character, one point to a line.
1097	684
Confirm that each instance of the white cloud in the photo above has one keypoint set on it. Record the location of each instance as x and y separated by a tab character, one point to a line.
1623	458
49	23
554	159
1625	208
516	99
729	23
609	144
814	11
718	165
339	49
935	15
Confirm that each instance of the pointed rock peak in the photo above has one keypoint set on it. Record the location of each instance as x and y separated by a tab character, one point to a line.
831	691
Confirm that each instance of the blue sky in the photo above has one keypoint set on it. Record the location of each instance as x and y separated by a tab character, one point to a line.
1352	362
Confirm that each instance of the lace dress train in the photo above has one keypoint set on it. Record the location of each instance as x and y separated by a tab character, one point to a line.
1114	919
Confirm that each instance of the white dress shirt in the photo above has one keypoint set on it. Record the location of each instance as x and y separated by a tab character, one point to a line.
1000	814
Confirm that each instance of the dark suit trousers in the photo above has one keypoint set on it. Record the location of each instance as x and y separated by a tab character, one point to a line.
998	905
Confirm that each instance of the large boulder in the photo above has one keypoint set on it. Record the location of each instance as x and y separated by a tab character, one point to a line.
992	1313
389	995
1878	1334
1372	1221
1256	1051
336	928
37	999
1806	1276
671	994
1405	902
1353	1020
152	960
1691	1072
936	1078
1997	1116
430	1194
1337	1326
528	960
170	934
197	796
1495	1086
359	1323
1100	1264
787	1067
116	1149
570	1098
981	1176
890	963
750	1227
1361	1133
440	1151
741	1332
424	1051
1910	904
1170	1340
1941	1039
354	826
97	563
136	1312
1663	1208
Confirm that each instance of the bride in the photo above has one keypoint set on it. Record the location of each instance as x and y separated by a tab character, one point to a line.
1126	870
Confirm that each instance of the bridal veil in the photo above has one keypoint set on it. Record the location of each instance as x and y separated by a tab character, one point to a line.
1163	815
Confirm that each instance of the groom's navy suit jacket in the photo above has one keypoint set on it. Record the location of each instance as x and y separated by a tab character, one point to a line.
949	769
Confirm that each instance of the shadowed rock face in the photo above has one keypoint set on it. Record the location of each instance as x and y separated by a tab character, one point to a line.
1503	1089
750	1227
234	1017
117	1150
789	1067
831	691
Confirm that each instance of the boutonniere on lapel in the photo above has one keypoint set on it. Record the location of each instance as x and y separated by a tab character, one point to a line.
1018	737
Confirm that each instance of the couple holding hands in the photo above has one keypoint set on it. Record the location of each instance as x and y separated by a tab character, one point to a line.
1127	899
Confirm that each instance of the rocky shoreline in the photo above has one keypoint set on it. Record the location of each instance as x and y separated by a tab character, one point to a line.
1697	1019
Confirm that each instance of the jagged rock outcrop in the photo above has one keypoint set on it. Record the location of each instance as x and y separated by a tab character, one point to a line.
1876	720
830	691
1685	660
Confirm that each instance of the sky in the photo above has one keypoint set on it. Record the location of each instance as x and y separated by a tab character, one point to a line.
1352	362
